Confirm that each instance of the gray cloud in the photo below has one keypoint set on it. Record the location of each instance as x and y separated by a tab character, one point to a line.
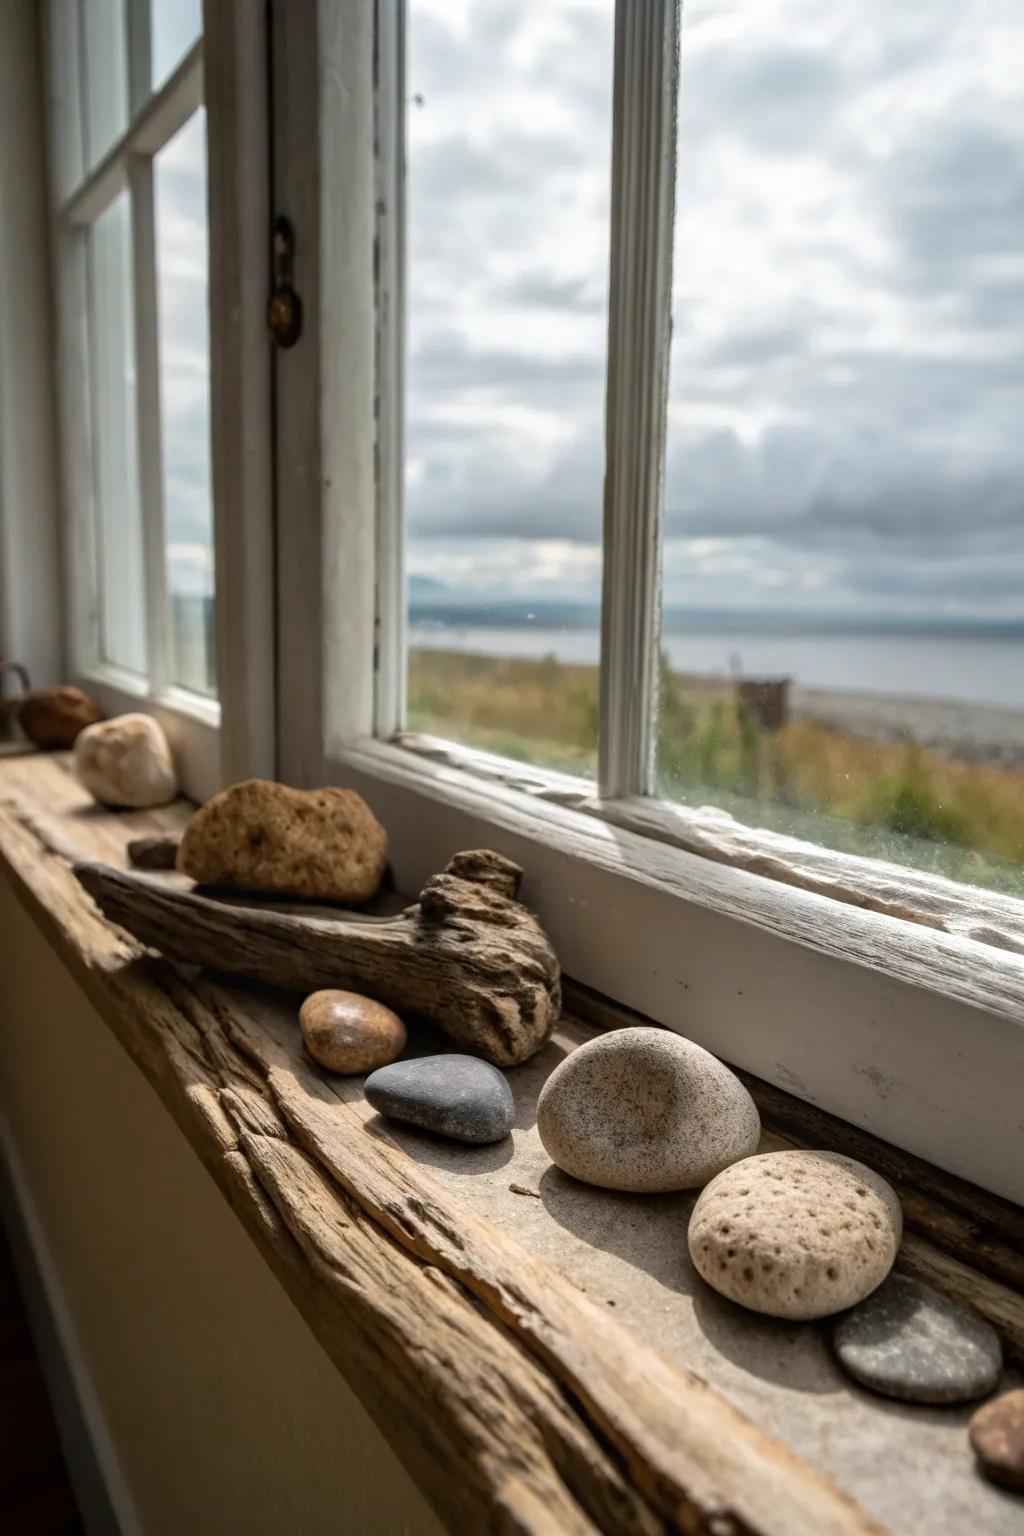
848	379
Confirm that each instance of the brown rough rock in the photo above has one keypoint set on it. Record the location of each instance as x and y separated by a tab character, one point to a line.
346	1032
315	844
156	852
997	1439
53	717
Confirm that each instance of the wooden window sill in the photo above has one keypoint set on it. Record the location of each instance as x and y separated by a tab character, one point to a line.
540	1354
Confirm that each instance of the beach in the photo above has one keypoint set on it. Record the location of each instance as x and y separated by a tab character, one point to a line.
962	696
977	733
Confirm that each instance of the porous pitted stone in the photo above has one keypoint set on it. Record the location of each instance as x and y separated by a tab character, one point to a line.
645	1109
55	717
457	1096
997	1439
346	1032
796	1234
908	1341
126	762
316	844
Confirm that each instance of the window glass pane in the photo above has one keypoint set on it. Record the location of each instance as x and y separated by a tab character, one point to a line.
843	575
104	76
509	128
175	26
184	329
62	85
118	513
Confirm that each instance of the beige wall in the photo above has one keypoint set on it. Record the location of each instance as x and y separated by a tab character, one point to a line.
224	1414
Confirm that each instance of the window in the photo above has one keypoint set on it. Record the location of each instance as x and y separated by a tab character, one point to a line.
564	315
129	153
852	981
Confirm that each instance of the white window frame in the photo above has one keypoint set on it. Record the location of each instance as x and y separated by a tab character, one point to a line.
886	996
213	740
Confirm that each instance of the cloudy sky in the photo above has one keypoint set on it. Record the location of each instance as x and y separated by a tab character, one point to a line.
846	424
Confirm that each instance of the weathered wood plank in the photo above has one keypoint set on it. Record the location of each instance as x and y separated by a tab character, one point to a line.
516	1404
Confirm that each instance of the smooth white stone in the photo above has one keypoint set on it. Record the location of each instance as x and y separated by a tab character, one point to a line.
126	761
645	1110
796	1234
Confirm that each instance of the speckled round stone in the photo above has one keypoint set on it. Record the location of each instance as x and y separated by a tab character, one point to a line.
457	1096
346	1032
796	1234
997	1439
645	1110
909	1341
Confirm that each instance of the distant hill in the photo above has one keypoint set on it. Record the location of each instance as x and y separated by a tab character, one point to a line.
431	603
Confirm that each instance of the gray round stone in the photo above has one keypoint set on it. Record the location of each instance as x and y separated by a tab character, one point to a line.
910	1342
457	1096
645	1110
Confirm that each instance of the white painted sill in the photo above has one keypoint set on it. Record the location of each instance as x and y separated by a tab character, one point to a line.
912	1030
874	884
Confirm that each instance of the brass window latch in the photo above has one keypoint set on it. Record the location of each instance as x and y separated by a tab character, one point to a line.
284	307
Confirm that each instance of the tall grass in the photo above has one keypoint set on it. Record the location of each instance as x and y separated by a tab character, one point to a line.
890	799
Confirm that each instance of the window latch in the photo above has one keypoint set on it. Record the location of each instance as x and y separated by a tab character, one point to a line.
284	307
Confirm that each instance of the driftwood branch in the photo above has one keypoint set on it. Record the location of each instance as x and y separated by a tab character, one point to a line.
467	957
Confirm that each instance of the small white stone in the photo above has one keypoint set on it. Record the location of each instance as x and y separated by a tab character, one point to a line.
796	1234
126	761
645	1110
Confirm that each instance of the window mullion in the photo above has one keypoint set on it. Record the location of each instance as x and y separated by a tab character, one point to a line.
158	120
389	705
147	377
639	334
237	107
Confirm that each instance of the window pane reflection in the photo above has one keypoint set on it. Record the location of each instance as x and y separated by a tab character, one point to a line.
115	462
184	329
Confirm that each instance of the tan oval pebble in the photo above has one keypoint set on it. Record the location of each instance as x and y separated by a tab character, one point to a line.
997	1439
346	1032
645	1110
796	1234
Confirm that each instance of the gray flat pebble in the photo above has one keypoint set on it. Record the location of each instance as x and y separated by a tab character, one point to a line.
910	1342
457	1096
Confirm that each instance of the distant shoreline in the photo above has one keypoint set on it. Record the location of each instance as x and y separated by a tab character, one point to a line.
974	732
514	614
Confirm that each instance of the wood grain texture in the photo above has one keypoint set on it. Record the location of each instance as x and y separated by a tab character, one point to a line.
516	1403
467	957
